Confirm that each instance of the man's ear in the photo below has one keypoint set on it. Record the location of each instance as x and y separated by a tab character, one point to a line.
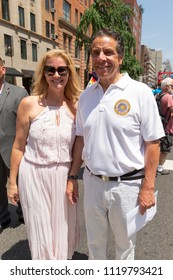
120	60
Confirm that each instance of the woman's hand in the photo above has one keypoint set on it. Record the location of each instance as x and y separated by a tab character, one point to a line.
13	194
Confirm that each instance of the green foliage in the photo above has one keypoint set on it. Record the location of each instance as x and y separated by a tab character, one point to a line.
132	66
141	9
114	15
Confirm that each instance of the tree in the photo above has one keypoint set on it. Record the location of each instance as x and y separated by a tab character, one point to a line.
141	9
114	15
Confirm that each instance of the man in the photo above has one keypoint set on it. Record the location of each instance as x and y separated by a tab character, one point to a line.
10	97
156	90
118	129
166	104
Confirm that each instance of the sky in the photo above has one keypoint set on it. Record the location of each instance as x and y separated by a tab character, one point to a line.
157	26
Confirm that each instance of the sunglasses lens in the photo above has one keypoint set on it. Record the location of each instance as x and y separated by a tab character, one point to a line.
62	70
50	70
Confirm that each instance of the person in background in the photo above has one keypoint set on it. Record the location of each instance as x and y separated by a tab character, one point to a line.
42	154
167	112
156	90
118	130
10	98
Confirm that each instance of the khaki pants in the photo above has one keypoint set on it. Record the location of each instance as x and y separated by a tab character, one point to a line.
107	203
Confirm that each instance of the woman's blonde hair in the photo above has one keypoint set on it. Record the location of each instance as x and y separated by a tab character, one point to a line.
40	85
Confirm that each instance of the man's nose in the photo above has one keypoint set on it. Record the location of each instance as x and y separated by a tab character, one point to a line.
102	55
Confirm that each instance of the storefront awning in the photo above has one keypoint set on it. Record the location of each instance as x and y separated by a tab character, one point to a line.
28	73
13	72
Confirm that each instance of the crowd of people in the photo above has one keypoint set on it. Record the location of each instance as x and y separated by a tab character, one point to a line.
113	127
166	112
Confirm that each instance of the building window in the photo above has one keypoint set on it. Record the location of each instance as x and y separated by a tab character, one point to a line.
52	3
5	9
52	27
23	49
34	52
32	22
8	42
81	16
85	53
47	5
64	41
47	29
76	17
77	52
66	10
21	16
69	44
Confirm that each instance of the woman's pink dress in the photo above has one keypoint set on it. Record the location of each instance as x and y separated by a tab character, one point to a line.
52	223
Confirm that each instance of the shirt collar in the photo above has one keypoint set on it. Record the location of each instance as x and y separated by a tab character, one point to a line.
122	83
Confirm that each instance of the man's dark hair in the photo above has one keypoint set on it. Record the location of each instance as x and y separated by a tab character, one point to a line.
113	34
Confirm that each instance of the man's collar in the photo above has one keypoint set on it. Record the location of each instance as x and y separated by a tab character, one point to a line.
123	82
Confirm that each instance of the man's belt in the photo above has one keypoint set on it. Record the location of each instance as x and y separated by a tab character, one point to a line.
126	177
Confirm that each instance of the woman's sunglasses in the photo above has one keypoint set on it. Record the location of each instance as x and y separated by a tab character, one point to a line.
62	70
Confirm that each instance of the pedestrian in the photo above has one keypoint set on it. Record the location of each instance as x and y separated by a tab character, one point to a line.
42	154
118	129
166	107
156	90
10	97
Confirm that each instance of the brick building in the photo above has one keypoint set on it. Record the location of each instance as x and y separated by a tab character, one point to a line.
135	24
30	28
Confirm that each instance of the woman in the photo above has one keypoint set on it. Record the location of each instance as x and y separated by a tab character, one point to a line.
42	155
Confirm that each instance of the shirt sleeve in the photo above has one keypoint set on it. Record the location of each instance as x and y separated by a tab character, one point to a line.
79	124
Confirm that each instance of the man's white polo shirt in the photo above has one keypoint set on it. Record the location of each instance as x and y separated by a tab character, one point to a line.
115	125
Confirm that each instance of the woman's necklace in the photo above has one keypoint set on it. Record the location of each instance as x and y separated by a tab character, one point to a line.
57	107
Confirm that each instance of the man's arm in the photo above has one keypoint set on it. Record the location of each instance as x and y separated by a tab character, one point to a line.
171	108
72	186
146	194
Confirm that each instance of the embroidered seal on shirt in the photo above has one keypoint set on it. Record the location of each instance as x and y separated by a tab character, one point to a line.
122	107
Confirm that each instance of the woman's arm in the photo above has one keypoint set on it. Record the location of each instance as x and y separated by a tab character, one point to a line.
22	129
72	186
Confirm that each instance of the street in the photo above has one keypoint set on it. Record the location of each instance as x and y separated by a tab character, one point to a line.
154	241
